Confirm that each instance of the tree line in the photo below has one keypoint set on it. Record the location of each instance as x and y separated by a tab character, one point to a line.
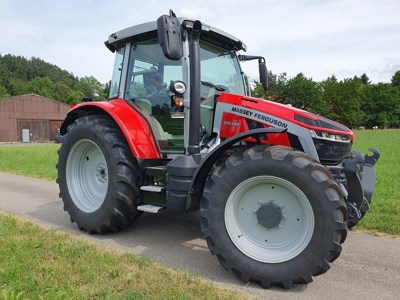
354	102
20	76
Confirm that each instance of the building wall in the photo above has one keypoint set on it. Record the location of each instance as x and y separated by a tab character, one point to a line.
42	116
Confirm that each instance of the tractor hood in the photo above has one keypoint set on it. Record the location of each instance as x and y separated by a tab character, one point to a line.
325	140
264	111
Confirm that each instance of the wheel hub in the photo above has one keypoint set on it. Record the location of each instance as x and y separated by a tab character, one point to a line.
259	206
101	173
269	215
87	175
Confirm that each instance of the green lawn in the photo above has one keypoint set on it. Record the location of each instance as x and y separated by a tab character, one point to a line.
384	215
38	263
36	160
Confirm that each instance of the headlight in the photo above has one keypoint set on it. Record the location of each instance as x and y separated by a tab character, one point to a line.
329	136
188	24
177	87
331	148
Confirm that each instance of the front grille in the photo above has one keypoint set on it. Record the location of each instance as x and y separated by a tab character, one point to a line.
331	152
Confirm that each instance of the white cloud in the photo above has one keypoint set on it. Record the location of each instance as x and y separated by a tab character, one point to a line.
318	38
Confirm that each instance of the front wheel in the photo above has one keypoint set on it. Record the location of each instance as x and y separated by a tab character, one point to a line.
273	216
98	176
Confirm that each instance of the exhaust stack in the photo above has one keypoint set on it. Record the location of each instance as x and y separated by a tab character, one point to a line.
195	85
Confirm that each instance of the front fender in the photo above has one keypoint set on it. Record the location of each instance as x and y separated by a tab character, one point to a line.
200	176
133	125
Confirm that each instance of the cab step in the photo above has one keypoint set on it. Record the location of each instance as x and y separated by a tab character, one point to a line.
149	208
152	188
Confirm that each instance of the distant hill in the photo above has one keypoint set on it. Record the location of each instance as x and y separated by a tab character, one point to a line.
19	76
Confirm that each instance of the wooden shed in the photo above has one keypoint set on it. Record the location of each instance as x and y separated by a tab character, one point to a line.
30	118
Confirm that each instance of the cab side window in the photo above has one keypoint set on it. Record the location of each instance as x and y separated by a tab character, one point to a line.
116	77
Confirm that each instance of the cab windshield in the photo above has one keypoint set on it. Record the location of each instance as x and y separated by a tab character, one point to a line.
221	68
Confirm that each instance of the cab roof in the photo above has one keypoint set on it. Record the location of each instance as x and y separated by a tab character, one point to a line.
149	30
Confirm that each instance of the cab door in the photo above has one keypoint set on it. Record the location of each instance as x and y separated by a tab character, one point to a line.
149	76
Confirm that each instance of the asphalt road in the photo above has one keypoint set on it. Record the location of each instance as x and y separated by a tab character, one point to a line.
368	268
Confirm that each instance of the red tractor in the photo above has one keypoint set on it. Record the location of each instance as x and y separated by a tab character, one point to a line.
276	187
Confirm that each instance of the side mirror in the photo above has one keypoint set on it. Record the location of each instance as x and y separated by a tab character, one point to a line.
169	35
262	69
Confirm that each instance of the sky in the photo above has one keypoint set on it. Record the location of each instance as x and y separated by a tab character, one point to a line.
345	38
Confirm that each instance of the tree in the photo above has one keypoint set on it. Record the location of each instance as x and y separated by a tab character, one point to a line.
275	84
304	93
258	91
92	88
61	92
396	79
17	87
330	88
365	79
75	97
382	105
41	86
20	76
106	89
344	100
3	92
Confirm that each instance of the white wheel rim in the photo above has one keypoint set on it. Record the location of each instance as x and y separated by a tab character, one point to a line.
87	175
274	245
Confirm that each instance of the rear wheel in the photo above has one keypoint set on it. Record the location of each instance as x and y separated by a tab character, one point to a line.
98	176
273	216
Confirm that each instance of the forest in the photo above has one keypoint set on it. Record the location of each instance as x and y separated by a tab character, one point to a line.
20	76
354	102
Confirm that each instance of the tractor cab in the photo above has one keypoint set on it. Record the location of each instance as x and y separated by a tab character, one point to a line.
145	77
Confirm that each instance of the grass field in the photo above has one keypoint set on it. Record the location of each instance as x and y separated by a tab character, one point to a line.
384	215
38	263
35	160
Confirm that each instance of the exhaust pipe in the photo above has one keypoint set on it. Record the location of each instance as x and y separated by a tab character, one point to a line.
195	86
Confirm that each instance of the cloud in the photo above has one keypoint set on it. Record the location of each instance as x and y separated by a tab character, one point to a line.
318	38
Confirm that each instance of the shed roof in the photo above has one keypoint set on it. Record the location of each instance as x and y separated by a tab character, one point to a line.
32	97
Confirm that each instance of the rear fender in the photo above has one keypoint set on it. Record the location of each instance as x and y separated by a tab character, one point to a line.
133	125
200	176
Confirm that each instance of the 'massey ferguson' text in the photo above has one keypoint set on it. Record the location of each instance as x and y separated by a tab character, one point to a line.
259	116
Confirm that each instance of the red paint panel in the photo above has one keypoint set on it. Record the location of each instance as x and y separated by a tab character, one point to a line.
232	125
282	111
278	139
133	125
